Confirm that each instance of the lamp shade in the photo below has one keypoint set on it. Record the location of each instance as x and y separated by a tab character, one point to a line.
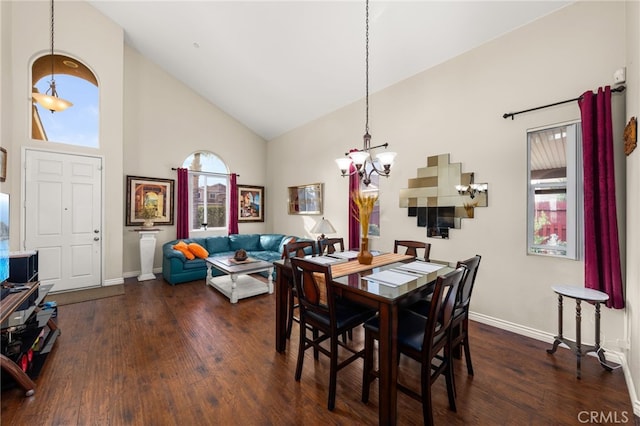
343	164
323	227
52	103
386	158
359	157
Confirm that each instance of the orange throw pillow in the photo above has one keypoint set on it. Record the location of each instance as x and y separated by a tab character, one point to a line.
184	249
198	250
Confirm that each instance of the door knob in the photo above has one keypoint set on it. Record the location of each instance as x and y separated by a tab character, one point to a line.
96	238
96	231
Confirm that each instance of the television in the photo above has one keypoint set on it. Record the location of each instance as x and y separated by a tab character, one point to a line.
4	237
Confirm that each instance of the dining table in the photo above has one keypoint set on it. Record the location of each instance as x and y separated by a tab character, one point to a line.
360	283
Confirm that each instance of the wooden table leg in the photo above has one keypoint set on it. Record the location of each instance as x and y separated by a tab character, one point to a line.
281	310
388	368
559	337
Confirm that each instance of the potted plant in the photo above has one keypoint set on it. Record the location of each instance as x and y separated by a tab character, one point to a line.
148	213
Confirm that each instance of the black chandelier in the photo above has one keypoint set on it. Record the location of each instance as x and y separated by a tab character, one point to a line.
361	159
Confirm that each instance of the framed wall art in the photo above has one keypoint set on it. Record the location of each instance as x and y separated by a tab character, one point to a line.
3	164
305	199
149	199
250	203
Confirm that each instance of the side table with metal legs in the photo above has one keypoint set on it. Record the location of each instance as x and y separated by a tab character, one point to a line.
579	294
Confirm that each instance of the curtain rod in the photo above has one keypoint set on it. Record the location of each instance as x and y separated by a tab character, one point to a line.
228	174
512	114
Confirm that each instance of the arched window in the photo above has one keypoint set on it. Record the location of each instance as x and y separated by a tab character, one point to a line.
209	191
75	82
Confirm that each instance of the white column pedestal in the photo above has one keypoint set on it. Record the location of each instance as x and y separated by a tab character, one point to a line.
147	253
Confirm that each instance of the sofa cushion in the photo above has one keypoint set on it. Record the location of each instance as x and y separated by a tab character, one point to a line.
217	244
198	250
195	264
285	241
270	242
249	242
182	247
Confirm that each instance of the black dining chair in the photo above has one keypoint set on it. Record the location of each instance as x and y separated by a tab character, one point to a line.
460	322
425	339
330	245
328	316
292	249
412	247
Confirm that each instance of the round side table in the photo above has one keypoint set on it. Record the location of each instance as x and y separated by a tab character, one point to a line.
579	294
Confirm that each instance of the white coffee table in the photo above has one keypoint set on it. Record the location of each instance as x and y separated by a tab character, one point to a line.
237	283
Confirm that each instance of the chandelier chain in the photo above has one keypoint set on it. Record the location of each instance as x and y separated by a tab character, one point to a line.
52	59
366	128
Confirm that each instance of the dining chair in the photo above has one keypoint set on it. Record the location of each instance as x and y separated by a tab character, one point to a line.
460	322
293	249
330	245
327	320
412	247
425	339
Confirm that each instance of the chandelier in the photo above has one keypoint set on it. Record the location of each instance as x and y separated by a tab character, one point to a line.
361	159
472	189
50	100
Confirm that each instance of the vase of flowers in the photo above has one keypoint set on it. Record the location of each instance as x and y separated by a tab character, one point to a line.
364	204
148	213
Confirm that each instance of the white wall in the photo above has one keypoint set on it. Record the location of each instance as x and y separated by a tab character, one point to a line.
457	108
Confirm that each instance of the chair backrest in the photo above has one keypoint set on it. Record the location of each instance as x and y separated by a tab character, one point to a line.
328	245
300	249
311	281
443	302
412	247
464	292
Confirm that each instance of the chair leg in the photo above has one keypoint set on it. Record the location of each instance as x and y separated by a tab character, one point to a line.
301	348
427	408
290	314
450	379
368	366
333	373
467	352
457	349
316	352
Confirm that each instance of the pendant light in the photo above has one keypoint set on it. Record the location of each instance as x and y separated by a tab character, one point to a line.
361	159
50	100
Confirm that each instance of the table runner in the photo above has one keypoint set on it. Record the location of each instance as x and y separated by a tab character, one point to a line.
353	266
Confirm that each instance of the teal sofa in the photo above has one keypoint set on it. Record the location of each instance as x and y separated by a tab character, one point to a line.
177	269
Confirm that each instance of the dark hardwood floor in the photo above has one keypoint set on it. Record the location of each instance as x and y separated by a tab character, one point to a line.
183	355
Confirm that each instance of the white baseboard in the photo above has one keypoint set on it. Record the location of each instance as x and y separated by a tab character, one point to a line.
133	274
610	355
113	281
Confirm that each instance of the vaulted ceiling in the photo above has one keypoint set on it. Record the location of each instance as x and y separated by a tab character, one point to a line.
276	65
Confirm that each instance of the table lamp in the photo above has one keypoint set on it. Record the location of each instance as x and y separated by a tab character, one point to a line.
323	227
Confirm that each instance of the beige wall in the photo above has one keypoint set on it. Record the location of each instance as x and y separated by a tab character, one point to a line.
165	122
149	121
633	203
100	46
457	108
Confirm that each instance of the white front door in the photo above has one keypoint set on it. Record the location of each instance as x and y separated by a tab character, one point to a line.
63	218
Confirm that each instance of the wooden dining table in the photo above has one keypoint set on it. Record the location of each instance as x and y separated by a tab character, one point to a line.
349	280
